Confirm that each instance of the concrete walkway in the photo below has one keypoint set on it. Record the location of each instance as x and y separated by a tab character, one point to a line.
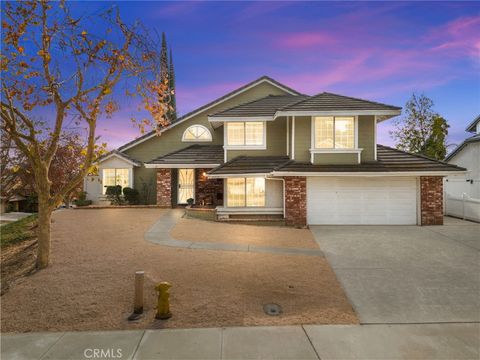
446	341
160	234
13	216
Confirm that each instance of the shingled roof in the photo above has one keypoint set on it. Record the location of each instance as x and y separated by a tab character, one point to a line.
250	165
191	155
332	102
273	106
266	106
388	160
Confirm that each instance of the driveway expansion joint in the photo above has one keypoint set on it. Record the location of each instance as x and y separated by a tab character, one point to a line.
159	234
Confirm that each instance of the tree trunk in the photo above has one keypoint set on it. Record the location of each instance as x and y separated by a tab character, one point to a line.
44	224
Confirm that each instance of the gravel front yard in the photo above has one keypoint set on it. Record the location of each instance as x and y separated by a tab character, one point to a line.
89	285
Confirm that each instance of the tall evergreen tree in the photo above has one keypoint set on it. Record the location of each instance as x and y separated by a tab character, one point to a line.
435	146
164	59
171	85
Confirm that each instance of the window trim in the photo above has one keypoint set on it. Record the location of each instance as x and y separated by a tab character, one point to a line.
245	192
197	140
339	150
244	147
130	177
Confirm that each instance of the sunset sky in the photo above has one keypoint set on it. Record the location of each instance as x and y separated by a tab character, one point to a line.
373	50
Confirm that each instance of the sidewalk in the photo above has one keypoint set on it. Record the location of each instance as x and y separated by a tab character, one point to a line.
423	341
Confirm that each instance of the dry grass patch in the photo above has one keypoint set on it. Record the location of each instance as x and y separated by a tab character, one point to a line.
89	285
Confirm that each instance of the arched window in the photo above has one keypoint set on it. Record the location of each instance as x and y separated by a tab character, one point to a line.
197	133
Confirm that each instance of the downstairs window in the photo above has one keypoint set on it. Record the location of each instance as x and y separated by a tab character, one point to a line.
112	177
243	192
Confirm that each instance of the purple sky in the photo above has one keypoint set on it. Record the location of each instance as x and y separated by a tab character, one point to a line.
378	51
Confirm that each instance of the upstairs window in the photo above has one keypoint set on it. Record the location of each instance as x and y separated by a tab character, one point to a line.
334	132
197	133
251	133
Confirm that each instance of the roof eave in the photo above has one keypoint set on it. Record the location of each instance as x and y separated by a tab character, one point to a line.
232	175
239	118
116	154
380	113
369	173
181	165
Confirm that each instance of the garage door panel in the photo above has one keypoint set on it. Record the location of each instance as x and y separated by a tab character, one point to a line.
356	201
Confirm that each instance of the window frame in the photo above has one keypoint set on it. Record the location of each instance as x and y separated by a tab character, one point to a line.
334	149
197	140
129	176
245	194
245	146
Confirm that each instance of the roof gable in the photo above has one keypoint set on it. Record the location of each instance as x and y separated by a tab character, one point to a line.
473	139
218	101
120	155
472	127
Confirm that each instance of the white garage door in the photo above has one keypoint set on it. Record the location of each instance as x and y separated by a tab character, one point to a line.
362	200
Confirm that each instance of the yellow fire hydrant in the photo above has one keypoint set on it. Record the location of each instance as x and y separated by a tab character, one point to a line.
163	305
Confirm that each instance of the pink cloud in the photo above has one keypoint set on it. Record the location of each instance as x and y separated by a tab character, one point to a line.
303	40
459	37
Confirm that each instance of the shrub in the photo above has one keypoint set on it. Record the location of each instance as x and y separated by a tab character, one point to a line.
147	191
131	196
18	231
114	194
82	199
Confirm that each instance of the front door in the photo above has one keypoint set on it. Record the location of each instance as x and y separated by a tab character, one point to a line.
186	185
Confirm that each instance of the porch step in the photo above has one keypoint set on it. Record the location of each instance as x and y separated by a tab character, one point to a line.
257	219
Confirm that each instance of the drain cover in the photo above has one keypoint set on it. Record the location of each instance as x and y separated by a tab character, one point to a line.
272	309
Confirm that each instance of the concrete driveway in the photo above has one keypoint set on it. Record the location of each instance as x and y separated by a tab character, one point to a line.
407	274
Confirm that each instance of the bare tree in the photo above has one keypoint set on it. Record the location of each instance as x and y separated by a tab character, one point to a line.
65	67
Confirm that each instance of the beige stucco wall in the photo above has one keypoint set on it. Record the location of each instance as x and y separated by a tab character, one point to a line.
273	193
302	138
366	137
469	158
328	159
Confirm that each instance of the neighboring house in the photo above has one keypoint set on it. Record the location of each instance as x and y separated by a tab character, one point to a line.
266	149
463	190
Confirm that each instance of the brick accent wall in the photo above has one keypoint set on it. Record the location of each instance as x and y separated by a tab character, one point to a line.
208	190
431	200
164	187
296	200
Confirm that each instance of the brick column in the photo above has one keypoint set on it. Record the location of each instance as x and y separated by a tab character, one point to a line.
164	187
207	189
431	200
296	201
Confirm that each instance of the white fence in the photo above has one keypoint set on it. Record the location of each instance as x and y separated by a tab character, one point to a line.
463	207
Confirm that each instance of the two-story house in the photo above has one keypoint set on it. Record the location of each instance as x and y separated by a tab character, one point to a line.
266	149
